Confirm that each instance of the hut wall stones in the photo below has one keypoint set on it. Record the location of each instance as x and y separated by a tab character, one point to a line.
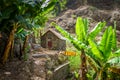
53	40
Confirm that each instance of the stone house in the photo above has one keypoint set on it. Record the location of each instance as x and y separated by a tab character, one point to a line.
53	40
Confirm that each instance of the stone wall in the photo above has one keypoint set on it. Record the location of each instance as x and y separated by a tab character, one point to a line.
57	43
61	72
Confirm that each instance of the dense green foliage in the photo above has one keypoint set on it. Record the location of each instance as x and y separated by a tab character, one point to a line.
104	52
28	13
19	18
100	52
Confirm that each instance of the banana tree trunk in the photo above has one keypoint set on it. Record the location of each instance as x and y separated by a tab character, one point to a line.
12	48
8	47
83	66
100	75
25	44
9	43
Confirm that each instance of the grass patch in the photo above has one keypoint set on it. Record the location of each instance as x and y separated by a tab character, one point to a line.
74	60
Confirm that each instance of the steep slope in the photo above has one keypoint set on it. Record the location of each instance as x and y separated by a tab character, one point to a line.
95	14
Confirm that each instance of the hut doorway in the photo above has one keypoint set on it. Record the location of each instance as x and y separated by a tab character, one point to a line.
49	43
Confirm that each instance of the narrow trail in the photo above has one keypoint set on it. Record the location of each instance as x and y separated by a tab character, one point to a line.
35	68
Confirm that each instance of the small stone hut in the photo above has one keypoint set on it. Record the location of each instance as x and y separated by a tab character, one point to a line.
53	40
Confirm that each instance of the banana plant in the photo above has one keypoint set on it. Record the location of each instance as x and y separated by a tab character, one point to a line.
28	13
105	52
81	40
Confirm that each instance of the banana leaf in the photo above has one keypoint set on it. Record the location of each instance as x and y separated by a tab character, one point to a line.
115	70
48	8
106	42
86	25
95	50
78	44
115	54
94	59
97	29
115	60
114	42
80	29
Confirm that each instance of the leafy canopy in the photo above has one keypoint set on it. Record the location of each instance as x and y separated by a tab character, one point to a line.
29	13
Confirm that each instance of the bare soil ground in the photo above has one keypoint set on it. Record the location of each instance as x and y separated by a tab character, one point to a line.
40	62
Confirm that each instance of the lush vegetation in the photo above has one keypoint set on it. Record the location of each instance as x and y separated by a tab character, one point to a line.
97	59
102	55
29	14
19	18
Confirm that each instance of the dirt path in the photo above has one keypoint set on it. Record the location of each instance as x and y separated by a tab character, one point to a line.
36	67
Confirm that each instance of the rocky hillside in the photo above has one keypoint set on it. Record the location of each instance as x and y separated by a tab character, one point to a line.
94	12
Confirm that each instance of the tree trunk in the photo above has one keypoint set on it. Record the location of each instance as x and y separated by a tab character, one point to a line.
9	43
12	49
25	45
83	70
